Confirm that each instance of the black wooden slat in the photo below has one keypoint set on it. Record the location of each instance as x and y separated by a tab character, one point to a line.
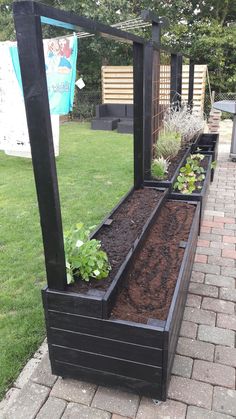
108	347
109	364
117	330
74	303
101	377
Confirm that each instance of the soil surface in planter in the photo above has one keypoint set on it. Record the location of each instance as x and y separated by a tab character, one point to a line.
150	282
118	238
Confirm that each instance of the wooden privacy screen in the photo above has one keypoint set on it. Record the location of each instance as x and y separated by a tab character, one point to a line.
117	84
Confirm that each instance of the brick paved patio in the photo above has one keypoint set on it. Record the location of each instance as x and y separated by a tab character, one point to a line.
203	381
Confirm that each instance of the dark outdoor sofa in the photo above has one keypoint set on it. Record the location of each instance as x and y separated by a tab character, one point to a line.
110	116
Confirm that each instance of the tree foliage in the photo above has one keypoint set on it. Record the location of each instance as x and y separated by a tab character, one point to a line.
200	28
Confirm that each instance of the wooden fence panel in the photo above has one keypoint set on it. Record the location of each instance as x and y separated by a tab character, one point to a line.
117	85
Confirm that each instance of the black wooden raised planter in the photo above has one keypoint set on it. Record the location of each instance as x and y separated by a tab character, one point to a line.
95	302
207	144
200	195
118	352
168	183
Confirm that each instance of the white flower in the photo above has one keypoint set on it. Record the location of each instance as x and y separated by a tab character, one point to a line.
96	272
79	243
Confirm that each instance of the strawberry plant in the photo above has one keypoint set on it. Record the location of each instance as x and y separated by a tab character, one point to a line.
190	174
84	257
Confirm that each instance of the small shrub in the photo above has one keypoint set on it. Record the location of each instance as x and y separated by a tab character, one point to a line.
84	257
159	168
187	123
168	145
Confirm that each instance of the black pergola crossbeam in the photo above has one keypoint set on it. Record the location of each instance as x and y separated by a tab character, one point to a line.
70	20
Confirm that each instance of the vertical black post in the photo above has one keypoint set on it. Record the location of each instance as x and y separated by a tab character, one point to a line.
138	55
148	83
173	80
191	83
30	48
179	76
148	98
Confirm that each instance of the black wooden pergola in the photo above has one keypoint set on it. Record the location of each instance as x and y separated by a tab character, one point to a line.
29	17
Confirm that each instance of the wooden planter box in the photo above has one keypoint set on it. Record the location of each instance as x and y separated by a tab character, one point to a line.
117	352
96	303
200	196
168	183
208	144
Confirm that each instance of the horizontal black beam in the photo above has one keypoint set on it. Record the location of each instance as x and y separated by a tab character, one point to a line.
70	20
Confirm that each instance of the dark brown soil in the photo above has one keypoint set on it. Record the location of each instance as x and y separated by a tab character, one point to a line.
175	162
150	282
118	238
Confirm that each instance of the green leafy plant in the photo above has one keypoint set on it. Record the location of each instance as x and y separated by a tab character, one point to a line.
159	168
191	173
167	145
213	164
84	257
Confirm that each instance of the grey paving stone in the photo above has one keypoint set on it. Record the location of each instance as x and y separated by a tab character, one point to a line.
188	329
116	400
208	251
193	300
165	410
229	272
29	402
195	349
225	355
220	306
217	260
197	277
182	366
42	350
52	409
190	392
42	374
216	335
226	321
215	374
203	289
228	294
199	316
220	281
8	400
211	237
224	401
222	245
26	373
74	391
79	411
222	232
199	413
206	268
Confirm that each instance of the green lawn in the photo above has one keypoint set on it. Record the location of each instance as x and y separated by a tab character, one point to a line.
94	170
